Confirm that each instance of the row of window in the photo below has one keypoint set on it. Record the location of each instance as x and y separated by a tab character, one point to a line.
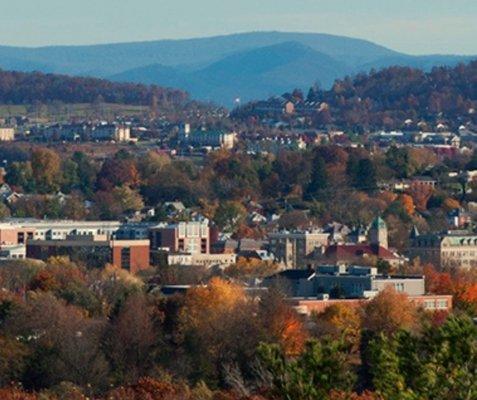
436	304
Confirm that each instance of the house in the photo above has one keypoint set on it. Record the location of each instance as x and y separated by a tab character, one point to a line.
5	191
423	182
459	218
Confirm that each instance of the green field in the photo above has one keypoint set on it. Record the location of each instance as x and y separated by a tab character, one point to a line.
63	112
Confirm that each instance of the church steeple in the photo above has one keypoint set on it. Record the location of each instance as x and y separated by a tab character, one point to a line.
378	233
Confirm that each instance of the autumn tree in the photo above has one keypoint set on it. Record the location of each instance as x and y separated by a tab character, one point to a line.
46	169
64	343
388	312
133	340
247	268
210	321
229	215
340	321
281	323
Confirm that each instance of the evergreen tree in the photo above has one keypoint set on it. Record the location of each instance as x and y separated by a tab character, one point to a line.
319	179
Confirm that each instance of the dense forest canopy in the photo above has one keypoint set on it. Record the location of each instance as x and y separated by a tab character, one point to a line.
28	88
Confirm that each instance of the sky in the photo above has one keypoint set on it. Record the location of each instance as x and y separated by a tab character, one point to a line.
411	26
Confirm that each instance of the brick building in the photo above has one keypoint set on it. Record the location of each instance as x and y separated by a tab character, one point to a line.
183	237
132	255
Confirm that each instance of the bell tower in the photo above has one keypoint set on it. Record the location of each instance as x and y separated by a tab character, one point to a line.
378	233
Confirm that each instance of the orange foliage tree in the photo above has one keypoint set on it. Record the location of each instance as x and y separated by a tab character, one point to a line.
408	204
216	322
340	320
149	389
251	268
421	195
389	311
281	323
462	285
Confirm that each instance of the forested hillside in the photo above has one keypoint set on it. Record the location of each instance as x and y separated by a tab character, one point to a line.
389	97
27	88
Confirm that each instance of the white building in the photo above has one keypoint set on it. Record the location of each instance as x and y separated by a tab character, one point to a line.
7	134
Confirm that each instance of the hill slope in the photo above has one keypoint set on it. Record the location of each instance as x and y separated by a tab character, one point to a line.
387	98
195	64
27	88
249	75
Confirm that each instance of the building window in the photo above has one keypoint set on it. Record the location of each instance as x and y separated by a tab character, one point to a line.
181	245
442	304
429	304
126	258
21	237
399	287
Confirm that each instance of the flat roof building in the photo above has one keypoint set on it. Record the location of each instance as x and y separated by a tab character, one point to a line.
132	255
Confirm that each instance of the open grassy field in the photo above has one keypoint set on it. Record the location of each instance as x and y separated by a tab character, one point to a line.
63	112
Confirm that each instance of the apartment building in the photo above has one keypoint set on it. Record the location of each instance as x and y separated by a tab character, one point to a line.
118	133
208	138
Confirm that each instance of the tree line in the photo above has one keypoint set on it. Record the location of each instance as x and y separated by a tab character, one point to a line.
37	87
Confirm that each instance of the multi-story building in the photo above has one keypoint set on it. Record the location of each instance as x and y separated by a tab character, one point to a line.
67	132
346	281
428	302
294	248
118	133
7	134
445	250
132	255
12	252
189	239
18	231
208	138
183	237
206	260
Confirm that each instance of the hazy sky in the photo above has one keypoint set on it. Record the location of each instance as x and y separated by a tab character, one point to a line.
413	26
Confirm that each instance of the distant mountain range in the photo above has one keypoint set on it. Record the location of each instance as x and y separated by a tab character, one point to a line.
220	69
